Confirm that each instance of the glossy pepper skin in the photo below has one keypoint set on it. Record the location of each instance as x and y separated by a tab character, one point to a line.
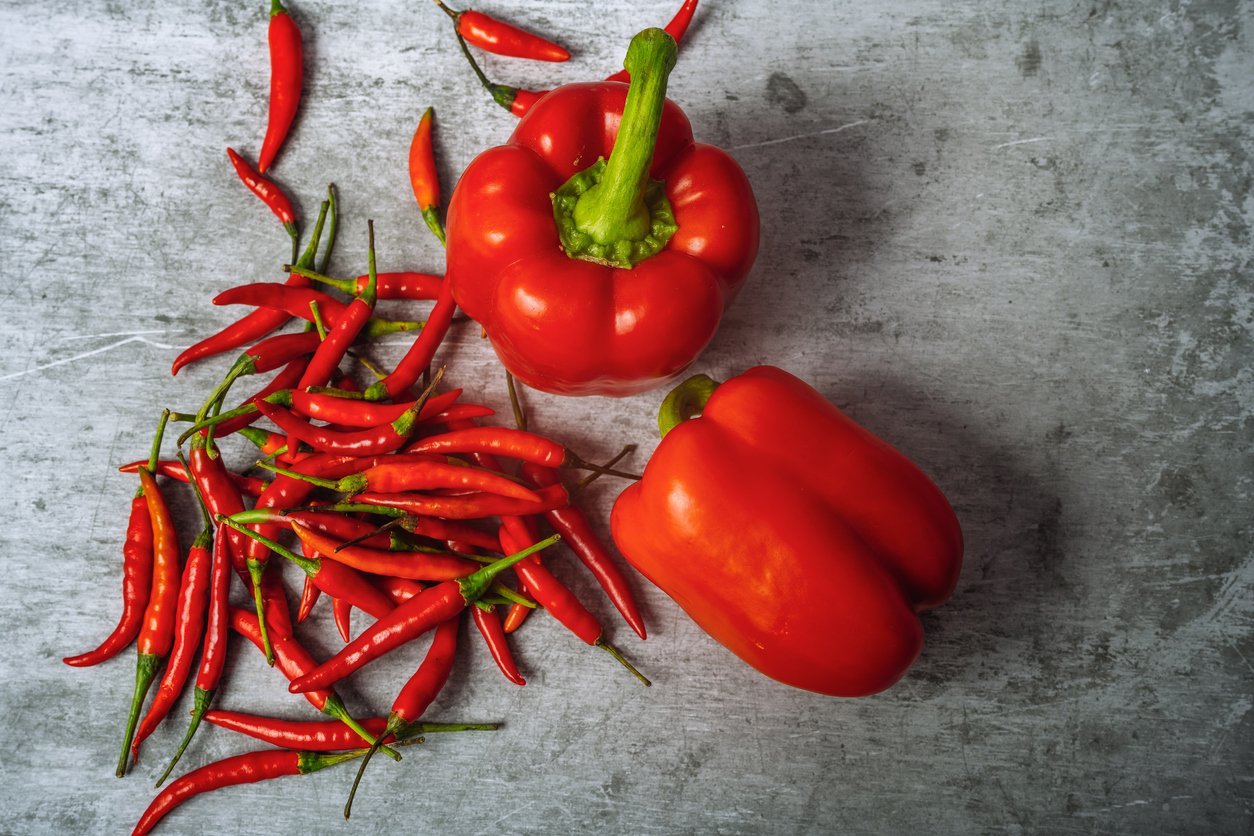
839	540
574	326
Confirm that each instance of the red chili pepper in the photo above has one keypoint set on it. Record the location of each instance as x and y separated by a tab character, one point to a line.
269	193
247	768
323	735
578	534
342	611
418	692
406	285
511	443
287	68
310	593
839	540
350	412
420	353
267	355
677	28
363	442
468	506
433	475
399	590
617	283
136	582
500	38
416	616
419	566
213	651
156	635
173	469
490	627
294	301
193	601
423	177
246	413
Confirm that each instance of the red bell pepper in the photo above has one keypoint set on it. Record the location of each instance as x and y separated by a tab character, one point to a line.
838	539
593	275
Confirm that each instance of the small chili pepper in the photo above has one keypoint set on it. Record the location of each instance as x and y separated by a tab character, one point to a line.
405	285
287	68
295	301
247	768
513	99
418	566
246	413
416	616
493	632
324	735
399	590
310	593
562	604
342	611
418	358
467	506
423	177
397	477
257	324
269	193
172	469
418	692
511	443
677	28
578	534
213	651
267	355
500	38
156	635
193	602
293	661
352	412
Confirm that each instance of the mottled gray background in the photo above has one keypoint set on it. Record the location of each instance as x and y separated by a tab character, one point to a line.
1013	238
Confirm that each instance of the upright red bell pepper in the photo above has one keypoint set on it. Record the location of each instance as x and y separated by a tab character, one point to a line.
838	542
594	275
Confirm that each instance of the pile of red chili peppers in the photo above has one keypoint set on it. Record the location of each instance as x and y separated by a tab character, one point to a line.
597	250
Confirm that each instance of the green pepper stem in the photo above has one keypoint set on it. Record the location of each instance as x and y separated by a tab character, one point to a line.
474	585
685	401
309	565
345	285
614	209
315	237
371	291
146	666
334	707
256	570
622	660
331	229
203	698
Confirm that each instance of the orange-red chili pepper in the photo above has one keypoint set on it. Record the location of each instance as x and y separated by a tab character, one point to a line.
677	28
500	38
419	566
493	632
351	412
511	443
416	360
287	70
423	177
362	442
156	635
471	506
269	193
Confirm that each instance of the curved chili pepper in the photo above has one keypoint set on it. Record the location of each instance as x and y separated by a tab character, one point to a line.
293	660
137	558
432	606
418	692
500	38
269	193
397	477
371	441
468	506
399	590
562	604
267	355
156	635
342	611
420	353
578	534
419	566
213	651
247	768
258	323
423	177
406	285
287	68
677	28
193	601
511	443
352	412
324	735
173	469
309	595
493	632
295	301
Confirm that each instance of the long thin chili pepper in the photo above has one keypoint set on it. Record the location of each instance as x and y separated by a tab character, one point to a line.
287	68
324	735
577	533
416	616
299	302
267	355
493	632
353	412
396	477
511	443
247	768
418	358
293	661
257	324
269	193
562	604
418	692
419	566
157	633
407	285
677	28
500	38
423	177
213	650
172	469
468	506
193	601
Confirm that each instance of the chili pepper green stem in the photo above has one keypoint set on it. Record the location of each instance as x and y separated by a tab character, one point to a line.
257	569
685	401
333	219
308	565
371	291
146	666
474	585
334	707
201	701
502	94
622	660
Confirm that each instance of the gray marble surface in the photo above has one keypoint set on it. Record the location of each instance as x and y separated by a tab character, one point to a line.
1013	238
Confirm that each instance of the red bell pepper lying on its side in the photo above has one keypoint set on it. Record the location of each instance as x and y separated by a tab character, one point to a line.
600	276
789	533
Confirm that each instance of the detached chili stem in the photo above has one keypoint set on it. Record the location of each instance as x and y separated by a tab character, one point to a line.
287	67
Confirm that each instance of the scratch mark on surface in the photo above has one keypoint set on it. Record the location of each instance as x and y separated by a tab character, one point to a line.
795	137
1023	142
73	337
86	354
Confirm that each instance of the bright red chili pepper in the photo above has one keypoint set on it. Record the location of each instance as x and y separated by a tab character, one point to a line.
418	358
508	442
156	635
677	28
493	632
578	534
309	595
468	506
247	768
431	607
213	651
193	602
287	69
246	413
173	469
433	475
323	735
407	285
500	38
423	177
627	285
351	412
362	442
420	566
294	301
839	540
269	193
342	611
136	582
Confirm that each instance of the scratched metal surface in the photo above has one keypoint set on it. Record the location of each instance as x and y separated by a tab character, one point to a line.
1013	238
